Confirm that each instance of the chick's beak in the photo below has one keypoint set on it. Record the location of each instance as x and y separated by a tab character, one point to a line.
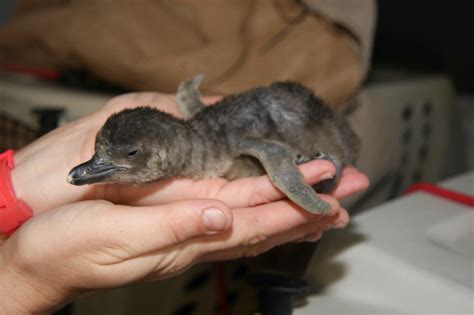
93	171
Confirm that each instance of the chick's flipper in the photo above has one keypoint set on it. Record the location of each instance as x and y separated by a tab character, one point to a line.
278	160
328	185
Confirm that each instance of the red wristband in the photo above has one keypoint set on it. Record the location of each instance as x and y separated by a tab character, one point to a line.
13	211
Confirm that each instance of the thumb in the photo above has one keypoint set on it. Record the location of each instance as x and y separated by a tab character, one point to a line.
158	226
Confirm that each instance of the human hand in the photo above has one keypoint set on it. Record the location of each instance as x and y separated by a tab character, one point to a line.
91	245
41	167
50	158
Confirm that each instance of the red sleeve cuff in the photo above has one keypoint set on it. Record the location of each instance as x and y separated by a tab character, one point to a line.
13	211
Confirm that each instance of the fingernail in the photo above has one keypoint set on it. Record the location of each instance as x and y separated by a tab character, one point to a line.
339	225
326	175
214	219
313	237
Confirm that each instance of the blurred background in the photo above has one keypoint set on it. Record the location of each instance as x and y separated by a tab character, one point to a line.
431	37
402	71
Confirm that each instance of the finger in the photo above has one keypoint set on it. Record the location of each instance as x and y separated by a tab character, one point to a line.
256	225
339	221
244	192
146	229
352	181
311	232
253	191
313	237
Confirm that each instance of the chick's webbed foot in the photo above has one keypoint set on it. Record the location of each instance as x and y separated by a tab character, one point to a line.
189	98
278	160
301	158
328	185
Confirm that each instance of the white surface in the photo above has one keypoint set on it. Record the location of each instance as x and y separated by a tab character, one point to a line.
19	96
455	234
409	256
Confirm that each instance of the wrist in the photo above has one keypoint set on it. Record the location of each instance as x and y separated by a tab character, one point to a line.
17	296
41	167
13	211
20	181
22	292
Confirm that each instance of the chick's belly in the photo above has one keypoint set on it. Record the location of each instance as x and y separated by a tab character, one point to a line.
244	167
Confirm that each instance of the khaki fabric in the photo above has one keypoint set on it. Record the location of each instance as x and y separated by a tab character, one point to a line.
237	44
357	16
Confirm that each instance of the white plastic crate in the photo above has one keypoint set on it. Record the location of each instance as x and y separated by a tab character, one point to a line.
19	96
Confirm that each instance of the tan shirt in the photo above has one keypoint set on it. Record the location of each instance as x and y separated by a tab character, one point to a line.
237	44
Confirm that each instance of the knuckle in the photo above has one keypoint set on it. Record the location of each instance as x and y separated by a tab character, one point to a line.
254	240
254	199
175	261
175	232
180	229
258	196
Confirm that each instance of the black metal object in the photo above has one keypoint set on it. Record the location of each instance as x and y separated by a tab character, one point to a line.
83	79
48	118
277	291
13	133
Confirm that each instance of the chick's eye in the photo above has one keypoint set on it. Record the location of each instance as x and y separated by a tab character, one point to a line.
132	153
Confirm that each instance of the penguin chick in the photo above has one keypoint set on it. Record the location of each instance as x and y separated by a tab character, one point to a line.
268	130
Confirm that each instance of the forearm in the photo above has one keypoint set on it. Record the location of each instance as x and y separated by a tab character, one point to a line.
28	286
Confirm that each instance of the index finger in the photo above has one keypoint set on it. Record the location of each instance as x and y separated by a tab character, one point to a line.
244	192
